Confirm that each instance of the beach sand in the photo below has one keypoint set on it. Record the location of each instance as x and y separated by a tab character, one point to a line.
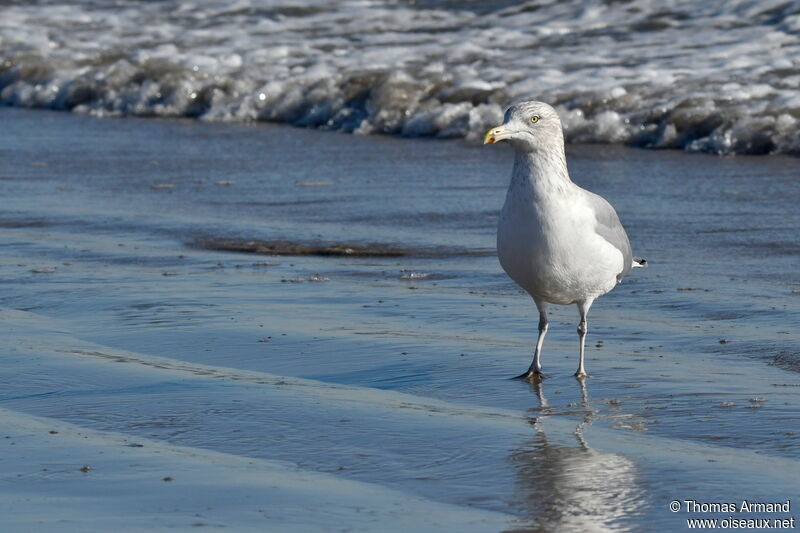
309	331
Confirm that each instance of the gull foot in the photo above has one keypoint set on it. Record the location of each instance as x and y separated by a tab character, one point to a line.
581	375
531	375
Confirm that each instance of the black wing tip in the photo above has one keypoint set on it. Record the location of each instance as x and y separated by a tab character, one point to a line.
641	261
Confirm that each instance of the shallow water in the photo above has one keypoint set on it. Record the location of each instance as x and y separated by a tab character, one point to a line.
718	77
118	316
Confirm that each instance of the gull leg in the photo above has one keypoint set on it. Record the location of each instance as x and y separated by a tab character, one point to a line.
583	328
536	366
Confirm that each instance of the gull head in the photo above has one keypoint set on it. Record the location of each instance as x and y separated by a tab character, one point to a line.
529	127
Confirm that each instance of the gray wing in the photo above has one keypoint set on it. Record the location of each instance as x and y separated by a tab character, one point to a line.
610	228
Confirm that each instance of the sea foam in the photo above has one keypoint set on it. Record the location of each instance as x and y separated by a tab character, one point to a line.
718	77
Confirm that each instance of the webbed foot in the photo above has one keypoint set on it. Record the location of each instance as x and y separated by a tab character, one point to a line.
531	375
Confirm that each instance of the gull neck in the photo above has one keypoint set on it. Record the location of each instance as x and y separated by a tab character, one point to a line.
542	170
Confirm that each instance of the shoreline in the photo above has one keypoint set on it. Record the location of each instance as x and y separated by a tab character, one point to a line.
473	141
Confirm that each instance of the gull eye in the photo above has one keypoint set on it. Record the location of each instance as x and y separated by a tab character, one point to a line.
535	119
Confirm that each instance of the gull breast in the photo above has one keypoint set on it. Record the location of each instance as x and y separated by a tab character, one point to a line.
551	249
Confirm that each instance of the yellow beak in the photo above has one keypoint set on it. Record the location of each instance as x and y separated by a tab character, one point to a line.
496	134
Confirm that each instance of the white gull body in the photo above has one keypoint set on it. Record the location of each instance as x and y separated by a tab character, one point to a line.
560	243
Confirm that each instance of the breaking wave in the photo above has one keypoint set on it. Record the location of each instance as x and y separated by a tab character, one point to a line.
721	77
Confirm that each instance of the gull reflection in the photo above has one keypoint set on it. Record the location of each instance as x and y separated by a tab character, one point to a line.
564	485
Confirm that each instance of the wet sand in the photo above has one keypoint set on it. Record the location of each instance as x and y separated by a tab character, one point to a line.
381	380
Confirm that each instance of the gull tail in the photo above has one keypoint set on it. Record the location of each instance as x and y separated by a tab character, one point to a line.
639	262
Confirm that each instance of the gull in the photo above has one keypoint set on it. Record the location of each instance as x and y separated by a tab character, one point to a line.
562	244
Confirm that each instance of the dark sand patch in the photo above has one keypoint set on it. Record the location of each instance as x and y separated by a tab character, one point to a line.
25	222
787	360
279	247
